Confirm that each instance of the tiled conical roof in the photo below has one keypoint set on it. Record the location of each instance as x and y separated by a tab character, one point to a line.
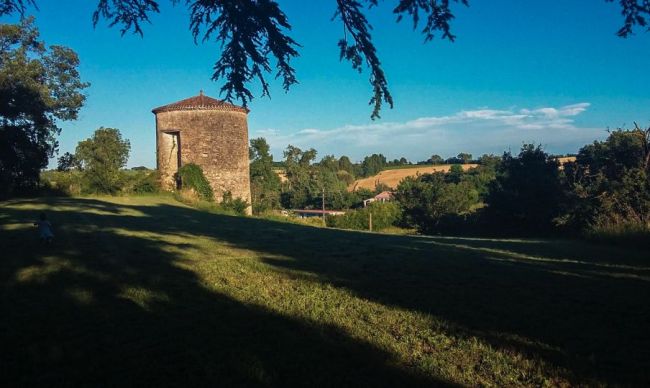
200	102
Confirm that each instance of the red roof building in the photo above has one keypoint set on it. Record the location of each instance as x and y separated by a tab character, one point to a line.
200	102
384	196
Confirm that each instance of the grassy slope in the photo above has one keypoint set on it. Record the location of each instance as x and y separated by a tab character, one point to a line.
145	291
392	177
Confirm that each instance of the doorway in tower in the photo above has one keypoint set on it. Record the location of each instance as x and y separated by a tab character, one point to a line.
171	158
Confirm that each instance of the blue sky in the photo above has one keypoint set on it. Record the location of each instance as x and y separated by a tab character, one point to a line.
550	72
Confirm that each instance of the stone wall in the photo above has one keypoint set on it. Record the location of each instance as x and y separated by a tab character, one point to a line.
216	140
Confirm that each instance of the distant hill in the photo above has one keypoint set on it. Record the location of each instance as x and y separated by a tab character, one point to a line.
391	178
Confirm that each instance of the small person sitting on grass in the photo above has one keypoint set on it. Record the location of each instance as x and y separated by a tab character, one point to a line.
44	229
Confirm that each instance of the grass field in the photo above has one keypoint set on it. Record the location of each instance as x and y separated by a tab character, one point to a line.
392	177
144	291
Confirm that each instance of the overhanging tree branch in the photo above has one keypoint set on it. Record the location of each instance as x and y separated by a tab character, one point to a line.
127	13
15	6
357	26
250	31
254	32
635	12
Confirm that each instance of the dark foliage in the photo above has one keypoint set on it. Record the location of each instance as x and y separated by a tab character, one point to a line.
373	164
635	12
15	6
249	32
526	195
68	162
427	199
235	205
145	182
351	14
139	168
609	184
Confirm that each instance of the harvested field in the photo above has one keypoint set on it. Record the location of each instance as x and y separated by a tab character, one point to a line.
566	159
392	178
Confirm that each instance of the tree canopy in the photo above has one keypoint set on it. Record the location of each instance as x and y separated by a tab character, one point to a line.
527	192
102	156
255	35
265	183
38	86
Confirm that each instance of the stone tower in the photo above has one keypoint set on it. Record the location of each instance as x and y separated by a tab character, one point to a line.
210	133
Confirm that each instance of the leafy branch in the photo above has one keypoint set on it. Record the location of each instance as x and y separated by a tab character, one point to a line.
635	12
249	32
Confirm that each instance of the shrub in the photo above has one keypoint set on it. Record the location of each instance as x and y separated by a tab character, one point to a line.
192	178
608	187
428	198
141	182
61	183
237	205
618	229
147	183
384	215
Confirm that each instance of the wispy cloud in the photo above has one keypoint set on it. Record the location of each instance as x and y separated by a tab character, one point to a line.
476	131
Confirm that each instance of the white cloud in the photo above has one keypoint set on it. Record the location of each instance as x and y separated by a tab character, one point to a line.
476	131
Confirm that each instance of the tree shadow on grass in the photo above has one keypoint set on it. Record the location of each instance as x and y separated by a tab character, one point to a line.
581	308
584	311
586	314
104	308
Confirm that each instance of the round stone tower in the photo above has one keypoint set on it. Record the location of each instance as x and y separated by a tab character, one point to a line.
210	133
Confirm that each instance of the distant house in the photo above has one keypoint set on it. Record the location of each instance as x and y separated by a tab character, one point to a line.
384	196
306	213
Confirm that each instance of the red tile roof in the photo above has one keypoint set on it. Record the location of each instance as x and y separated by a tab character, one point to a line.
200	102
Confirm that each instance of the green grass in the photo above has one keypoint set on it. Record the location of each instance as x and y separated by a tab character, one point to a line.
145	291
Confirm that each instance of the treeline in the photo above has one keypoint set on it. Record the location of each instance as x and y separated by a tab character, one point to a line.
375	163
310	182
307	184
97	167
606	190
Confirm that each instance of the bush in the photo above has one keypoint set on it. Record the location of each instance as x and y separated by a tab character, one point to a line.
608	187
620	230
140	182
61	182
148	184
192	177
384	215
428	198
237	205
